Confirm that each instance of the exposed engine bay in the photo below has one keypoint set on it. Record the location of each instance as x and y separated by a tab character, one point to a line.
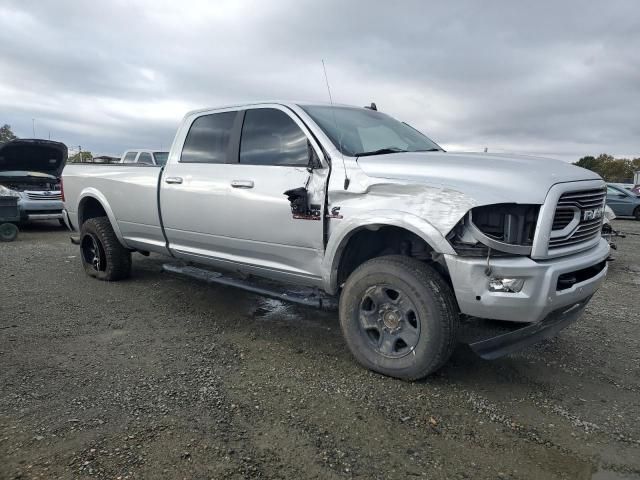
36	184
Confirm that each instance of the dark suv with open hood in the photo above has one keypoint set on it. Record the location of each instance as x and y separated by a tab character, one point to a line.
30	169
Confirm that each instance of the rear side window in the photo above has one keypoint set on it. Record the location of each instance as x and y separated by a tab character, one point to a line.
208	139
271	137
130	157
145	158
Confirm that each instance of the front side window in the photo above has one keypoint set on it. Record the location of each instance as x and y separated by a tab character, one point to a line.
208	139
130	157
271	137
360	131
145	158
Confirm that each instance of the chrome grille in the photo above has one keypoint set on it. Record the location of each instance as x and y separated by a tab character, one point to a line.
44	195
575	207
562	218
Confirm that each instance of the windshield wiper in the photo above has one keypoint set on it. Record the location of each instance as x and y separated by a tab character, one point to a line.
429	150
381	151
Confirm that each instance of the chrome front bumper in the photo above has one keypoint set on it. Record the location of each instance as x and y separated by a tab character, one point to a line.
539	296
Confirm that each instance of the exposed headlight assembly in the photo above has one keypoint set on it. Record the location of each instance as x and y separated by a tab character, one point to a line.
7	192
503	229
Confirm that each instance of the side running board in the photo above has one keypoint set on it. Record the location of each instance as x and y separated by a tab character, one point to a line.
309	297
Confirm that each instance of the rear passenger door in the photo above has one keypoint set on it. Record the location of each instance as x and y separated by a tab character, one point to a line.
194	187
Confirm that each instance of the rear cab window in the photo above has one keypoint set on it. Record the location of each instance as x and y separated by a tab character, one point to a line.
130	157
161	158
145	158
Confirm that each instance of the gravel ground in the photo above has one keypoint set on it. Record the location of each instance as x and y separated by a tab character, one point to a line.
165	377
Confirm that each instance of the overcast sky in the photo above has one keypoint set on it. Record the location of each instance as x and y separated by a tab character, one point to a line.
561	79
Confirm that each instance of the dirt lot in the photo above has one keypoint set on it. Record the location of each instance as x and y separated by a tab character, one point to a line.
164	377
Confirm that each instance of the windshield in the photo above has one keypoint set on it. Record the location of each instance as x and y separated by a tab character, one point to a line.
360	131
161	157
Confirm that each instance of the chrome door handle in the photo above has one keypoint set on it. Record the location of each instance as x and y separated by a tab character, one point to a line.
173	180
242	183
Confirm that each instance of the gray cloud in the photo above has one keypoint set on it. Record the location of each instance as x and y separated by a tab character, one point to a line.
555	78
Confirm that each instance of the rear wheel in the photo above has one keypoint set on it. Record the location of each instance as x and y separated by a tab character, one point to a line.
8	232
636	213
103	256
399	317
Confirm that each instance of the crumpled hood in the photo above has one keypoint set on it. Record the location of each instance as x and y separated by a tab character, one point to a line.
33	155
486	177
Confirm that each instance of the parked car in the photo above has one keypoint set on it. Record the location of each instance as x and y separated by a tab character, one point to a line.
31	169
146	157
409	239
623	202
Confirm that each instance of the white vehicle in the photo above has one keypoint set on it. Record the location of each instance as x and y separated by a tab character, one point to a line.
145	157
410	240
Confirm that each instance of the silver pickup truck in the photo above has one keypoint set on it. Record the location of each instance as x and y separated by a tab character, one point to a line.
418	247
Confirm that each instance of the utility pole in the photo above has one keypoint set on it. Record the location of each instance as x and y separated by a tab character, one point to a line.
33	127
79	154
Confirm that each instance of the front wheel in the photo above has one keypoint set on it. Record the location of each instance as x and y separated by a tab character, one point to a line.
399	317
636	213
103	256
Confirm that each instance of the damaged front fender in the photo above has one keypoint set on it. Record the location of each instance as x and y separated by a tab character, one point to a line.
374	220
428	212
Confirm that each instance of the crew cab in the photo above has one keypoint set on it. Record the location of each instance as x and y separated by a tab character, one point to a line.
30	169
411	241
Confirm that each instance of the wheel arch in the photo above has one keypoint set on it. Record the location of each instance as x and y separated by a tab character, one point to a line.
92	203
343	237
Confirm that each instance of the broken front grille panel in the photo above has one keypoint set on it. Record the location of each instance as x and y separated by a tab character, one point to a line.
44	195
578	218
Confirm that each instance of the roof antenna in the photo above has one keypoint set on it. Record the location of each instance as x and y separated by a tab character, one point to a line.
326	79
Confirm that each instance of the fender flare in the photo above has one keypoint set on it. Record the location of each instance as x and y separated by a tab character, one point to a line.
344	230
94	193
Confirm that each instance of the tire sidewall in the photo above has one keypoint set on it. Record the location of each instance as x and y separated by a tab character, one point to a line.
91	227
428	351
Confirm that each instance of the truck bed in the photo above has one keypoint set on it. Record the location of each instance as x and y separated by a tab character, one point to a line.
132	192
